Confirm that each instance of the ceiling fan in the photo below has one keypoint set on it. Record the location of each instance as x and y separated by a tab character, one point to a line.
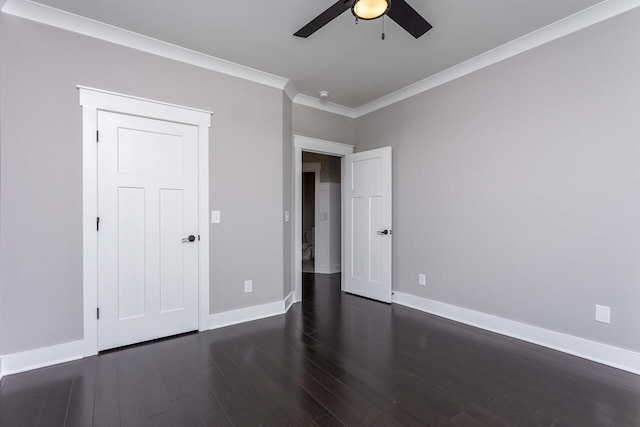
398	10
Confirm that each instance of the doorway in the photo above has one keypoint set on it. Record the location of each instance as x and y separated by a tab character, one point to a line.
318	245
321	213
145	219
310	186
365	219
308	220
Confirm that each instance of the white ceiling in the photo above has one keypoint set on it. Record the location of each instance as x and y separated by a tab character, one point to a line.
349	61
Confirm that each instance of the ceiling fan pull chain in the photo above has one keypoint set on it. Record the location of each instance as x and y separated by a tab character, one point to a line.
356	20
382	27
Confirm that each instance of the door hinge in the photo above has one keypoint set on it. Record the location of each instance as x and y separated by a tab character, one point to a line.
98	313
97	136
97	223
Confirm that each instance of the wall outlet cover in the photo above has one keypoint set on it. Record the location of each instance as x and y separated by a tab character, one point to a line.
603	314
215	217
422	279
248	286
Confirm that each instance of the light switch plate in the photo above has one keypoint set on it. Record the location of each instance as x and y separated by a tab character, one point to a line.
215	217
603	314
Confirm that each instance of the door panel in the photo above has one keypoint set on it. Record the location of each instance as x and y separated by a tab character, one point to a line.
137	147
367	201
147	203
131	253
357	238
171	254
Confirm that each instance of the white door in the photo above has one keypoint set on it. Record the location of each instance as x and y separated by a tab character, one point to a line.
366	190
147	205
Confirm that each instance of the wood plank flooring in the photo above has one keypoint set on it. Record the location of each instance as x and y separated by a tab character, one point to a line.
334	360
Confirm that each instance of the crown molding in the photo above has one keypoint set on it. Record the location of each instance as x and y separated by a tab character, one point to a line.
89	27
290	90
50	16
578	21
310	101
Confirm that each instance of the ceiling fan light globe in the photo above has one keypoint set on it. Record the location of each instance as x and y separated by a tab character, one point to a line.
370	9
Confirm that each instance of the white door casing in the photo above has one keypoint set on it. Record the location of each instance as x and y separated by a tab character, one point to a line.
147	204
366	189
313	145
94	101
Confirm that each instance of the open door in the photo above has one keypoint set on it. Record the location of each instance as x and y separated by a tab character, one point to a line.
366	189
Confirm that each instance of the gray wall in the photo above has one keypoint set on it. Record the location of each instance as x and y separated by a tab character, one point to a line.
287	200
41	175
517	188
323	125
330	170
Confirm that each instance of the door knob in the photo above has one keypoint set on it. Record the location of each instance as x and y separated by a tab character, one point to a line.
191	238
384	232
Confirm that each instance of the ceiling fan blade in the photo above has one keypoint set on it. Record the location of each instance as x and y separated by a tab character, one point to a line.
408	18
324	18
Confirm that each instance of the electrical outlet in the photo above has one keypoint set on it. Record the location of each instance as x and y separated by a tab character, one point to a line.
603	314
248	286
286	216
215	217
422	279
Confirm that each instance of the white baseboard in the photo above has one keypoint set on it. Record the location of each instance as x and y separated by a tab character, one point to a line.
67	352
241	315
616	357
41	357
288	302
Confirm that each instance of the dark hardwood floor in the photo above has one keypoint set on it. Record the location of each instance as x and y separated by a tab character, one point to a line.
335	360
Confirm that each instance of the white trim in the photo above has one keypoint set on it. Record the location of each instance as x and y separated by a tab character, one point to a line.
300	144
310	101
107	98
126	104
89	235
47	356
321	146
242	315
42	357
50	16
616	357
290	90
578	21
92	101
92	28
288	302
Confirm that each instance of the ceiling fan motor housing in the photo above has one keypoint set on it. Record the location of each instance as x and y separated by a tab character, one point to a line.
370	9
